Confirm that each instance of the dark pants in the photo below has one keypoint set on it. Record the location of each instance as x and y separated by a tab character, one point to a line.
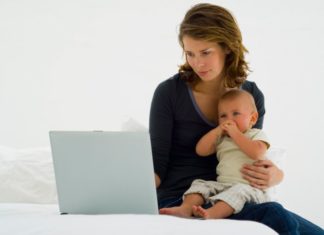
271	214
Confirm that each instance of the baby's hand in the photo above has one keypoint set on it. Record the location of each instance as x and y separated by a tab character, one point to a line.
229	127
220	130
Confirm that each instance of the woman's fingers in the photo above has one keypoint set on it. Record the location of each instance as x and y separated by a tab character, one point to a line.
258	176
255	182
262	174
255	171
264	163
259	186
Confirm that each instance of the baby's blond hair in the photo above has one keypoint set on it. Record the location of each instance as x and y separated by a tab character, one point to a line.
235	94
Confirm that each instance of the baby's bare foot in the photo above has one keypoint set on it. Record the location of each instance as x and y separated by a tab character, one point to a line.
198	211
176	211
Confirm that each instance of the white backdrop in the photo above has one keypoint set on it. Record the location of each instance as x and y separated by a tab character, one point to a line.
92	64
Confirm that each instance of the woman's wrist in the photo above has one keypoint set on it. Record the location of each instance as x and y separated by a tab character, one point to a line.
157	180
280	176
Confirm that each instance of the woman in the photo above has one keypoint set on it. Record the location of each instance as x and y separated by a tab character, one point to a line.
183	110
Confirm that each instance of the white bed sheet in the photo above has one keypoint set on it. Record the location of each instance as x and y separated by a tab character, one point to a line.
41	219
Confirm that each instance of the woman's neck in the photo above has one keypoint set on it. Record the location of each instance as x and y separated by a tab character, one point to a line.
210	87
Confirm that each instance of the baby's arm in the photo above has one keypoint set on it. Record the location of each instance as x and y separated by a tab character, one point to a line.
207	144
255	149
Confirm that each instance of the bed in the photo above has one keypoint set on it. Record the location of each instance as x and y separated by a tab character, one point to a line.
40	219
28	205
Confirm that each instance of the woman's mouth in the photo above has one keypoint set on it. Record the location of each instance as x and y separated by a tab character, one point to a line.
202	73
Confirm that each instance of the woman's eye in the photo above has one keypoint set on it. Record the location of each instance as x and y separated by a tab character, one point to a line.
205	53
189	54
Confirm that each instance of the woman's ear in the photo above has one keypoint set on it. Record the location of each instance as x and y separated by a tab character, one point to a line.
227	50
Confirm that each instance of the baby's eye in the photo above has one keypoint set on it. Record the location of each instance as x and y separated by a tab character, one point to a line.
236	113
222	116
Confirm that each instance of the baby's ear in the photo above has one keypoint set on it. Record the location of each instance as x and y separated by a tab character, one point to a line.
254	118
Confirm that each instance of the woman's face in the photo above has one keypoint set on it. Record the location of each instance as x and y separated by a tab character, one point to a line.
207	59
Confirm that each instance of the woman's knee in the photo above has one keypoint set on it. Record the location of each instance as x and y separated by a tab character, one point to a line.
275	210
279	218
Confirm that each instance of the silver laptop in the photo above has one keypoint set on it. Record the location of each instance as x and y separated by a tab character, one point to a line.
100	172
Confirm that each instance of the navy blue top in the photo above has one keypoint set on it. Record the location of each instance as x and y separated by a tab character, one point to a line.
176	125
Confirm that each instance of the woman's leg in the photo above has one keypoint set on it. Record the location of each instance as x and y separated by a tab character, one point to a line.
271	214
170	202
306	227
278	218
176	201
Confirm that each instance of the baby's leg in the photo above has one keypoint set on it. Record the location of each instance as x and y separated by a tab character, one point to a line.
185	209
218	211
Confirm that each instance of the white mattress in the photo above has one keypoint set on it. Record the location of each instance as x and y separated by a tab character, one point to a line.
40	219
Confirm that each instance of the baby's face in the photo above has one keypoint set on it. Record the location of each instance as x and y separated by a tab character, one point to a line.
238	110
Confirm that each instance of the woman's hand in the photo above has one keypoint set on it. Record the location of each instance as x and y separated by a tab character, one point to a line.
262	174
157	180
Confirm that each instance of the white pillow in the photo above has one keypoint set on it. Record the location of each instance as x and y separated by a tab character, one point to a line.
277	155
27	176
130	124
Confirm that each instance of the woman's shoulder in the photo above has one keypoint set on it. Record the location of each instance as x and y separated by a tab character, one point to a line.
248	85
258	96
171	84
167	93
252	88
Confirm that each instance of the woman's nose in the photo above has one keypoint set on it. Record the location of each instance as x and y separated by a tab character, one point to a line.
200	62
